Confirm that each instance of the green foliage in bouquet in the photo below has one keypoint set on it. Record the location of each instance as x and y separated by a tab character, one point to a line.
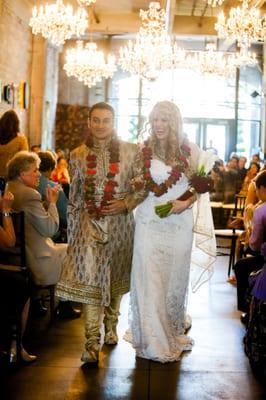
162	210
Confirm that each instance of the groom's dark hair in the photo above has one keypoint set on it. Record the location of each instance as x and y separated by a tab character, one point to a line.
102	106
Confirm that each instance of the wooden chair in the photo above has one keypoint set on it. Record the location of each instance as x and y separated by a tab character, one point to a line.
14	258
233	234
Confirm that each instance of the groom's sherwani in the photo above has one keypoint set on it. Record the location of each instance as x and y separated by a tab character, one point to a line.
98	263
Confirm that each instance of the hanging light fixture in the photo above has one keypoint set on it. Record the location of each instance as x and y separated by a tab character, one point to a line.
243	25
57	22
215	3
152	51
212	61
86	63
86	2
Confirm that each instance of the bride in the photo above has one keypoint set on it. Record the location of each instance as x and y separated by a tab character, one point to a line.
163	246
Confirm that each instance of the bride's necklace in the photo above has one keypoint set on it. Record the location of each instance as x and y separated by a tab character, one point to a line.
175	174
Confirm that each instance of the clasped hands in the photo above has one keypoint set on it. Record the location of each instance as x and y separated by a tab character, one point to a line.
52	194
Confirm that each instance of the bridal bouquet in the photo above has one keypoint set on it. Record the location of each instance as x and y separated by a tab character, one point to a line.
200	183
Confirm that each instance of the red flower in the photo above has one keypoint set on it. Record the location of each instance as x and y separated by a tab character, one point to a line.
147	175
91	164
114	168
91	171
91	157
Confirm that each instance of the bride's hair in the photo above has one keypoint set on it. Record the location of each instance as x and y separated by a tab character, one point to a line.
171	112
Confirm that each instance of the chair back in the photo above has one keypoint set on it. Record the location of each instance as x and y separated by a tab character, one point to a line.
16	256
240	202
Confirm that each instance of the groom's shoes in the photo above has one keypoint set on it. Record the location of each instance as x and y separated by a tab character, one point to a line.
111	338
91	354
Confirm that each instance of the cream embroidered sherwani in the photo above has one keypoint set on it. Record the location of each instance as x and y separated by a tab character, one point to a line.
98	263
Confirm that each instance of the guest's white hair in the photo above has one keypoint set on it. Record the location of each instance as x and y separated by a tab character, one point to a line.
22	161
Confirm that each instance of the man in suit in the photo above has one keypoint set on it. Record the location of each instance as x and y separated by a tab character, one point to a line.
44	257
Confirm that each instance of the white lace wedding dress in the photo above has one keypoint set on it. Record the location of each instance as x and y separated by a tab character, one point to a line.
160	275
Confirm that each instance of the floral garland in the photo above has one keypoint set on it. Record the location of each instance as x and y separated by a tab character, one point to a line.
93	209
175	173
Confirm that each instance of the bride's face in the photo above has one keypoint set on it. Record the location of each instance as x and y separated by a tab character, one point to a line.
160	127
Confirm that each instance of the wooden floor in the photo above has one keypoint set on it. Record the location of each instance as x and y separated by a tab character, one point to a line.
216	368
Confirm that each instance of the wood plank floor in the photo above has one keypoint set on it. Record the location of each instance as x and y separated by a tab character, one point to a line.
216	368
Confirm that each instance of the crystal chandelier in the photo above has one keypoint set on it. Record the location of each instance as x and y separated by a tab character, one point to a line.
87	64
244	24
86	2
244	58
57	22
152	50
221	63
215	3
211	61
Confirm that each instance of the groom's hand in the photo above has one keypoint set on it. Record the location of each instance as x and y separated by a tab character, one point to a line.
114	207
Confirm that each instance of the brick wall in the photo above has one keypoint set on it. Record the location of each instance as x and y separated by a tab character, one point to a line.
15	49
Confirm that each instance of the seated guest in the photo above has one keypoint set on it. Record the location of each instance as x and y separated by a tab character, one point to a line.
11	140
231	180
242	170
245	266
47	165
255	337
61	174
44	257
251	174
217	193
14	286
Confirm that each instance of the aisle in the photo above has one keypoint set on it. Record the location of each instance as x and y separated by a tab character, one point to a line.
215	369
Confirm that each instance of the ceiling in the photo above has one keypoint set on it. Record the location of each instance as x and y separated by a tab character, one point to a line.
186	17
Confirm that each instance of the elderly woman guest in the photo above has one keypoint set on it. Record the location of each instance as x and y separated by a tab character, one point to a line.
11	140
162	246
14	287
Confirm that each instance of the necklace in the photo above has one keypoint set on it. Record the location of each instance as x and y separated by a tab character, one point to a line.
175	174
94	207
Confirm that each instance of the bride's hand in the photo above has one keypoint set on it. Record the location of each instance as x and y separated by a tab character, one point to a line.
178	206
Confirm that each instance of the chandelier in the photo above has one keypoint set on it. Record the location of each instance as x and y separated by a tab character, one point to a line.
87	64
244	24
215	3
152	50
57	22
211	61
221	63
86	2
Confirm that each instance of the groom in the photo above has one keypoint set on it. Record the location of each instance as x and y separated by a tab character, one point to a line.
97	267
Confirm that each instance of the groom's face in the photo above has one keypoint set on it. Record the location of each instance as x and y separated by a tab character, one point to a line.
101	123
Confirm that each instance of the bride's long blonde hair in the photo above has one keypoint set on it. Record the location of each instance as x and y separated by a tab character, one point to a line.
171	112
